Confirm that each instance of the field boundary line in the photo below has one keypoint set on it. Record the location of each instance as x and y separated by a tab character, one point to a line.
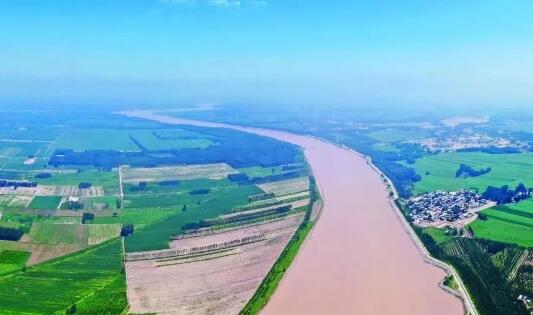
120	183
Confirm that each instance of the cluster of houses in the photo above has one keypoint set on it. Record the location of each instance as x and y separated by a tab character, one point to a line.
440	207
451	143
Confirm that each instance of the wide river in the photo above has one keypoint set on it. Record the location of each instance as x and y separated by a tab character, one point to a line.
358	259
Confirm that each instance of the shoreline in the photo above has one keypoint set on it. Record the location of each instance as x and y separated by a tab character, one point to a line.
462	294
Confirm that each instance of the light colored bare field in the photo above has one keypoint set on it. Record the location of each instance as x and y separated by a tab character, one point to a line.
42	252
219	282
52	190
286	187
6	199
302	194
21	201
155	174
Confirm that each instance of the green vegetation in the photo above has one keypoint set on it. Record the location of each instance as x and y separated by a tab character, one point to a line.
81	234
438	235
258	171
390	135
103	202
12	260
438	171
154	140
217	201
52	233
109	300
491	291
87	148
512	223
81	140
56	285
45	202
108	180
450	282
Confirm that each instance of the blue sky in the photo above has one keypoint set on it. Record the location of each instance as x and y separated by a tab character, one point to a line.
320	52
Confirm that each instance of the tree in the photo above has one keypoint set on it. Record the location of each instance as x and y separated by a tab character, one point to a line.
127	229
87	216
71	309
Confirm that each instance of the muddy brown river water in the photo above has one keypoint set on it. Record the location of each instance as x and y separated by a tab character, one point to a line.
358	259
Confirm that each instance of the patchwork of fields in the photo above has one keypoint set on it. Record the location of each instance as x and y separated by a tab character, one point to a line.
76	201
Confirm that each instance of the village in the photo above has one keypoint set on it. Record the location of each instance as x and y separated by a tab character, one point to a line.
469	140
440	208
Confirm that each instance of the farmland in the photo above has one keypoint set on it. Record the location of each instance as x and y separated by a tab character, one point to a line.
155	140
56	285
73	193
509	223
11	260
438	171
45	202
156	174
95	139
82	234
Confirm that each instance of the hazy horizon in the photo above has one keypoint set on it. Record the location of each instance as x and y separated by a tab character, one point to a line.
349	53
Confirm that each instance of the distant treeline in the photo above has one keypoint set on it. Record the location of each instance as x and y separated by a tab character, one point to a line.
15	184
43	175
468	171
491	150
505	195
235	148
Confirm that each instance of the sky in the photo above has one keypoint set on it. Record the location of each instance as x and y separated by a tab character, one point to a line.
158	52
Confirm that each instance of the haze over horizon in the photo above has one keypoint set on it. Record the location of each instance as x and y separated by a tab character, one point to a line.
188	51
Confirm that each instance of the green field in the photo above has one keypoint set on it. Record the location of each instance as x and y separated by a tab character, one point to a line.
12	260
390	135
96	139
108	180
512	223
45	202
91	278
438	235
51	233
258	171
108	202
81	234
217	201
507	169
154	140
138	216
